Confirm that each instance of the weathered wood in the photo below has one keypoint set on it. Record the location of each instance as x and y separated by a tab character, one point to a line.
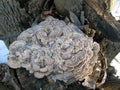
12	16
7	81
11	19
102	19
112	85
109	51
64	6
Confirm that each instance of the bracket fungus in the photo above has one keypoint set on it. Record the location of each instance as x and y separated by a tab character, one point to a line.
57	50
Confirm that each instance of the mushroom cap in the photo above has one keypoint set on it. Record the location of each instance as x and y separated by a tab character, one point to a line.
56	50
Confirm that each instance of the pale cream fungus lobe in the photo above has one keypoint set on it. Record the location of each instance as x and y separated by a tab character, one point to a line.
56	50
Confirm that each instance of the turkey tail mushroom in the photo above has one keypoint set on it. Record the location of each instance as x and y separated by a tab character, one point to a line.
55	50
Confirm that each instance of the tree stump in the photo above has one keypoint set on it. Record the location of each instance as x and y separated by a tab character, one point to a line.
17	15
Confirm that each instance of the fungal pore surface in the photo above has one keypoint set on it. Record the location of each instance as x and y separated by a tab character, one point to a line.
57	50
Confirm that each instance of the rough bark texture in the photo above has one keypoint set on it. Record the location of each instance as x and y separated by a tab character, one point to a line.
97	13
111	49
64	6
11	18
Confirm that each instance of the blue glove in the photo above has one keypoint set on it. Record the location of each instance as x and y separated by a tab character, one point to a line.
4	52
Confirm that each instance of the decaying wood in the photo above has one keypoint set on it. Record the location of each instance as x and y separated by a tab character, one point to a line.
11	18
104	21
112	85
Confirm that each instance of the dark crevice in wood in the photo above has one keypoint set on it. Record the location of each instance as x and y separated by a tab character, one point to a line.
17	79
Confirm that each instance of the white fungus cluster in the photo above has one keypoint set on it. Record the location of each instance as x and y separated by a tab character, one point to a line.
56	50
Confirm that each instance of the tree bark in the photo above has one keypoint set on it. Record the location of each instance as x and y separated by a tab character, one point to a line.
11	19
97	13
14	15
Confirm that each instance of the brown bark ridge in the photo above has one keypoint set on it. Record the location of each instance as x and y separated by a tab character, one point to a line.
109	50
103	21
64	6
11	17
